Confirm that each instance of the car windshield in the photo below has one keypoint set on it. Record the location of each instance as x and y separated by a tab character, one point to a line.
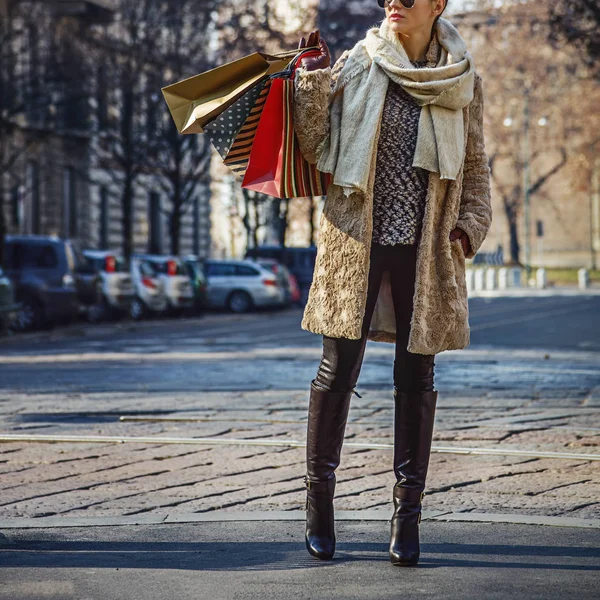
168	267
120	264
195	269
146	269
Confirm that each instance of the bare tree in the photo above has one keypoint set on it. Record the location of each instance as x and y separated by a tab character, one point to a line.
578	22
511	189
21	118
180	162
537	100
125	83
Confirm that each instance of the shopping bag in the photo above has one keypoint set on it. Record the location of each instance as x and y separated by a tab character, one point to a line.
276	166
197	100
232	132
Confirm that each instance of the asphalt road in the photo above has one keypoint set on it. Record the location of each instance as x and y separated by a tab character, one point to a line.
239	560
554	322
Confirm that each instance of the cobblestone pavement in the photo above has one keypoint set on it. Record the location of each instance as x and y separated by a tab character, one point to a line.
233	378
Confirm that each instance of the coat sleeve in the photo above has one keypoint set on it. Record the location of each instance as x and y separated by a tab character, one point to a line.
475	213
312	92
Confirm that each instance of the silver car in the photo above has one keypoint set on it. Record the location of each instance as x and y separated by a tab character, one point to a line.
116	287
175	279
240	285
150	296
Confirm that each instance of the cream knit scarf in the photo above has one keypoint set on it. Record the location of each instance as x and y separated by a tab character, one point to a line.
441	91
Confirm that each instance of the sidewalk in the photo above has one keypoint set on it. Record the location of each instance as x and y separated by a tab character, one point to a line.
522	292
267	559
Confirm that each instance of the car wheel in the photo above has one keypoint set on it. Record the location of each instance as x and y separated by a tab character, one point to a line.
239	302
30	316
137	309
97	312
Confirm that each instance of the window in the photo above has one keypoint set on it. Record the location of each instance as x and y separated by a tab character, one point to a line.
102	97
146	269
162	267
103	218
220	269
245	270
69	202
33	256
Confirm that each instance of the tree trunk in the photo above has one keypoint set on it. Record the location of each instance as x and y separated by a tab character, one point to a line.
514	241
2	220
127	217
175	230
177	202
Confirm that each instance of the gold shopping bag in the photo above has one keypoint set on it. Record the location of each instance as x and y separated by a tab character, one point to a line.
197	100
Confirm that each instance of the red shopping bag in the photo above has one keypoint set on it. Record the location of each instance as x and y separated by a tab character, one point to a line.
276	166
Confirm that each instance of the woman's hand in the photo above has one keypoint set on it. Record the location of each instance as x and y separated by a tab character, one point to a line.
320	61
464	239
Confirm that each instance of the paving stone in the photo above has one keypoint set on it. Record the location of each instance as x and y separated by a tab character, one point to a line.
489	398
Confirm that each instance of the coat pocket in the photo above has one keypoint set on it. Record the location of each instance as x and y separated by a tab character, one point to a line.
458	261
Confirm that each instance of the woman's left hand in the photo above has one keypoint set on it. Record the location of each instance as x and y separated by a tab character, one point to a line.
464	239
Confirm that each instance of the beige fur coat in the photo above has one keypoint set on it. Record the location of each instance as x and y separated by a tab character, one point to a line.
338	293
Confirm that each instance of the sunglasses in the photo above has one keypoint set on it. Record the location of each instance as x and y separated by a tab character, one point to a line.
405	3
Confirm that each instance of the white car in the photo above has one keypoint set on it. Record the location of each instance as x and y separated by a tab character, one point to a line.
150	296
177	284
240	285
116	287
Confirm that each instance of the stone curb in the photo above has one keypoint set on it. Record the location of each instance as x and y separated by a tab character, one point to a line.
286	515
532	292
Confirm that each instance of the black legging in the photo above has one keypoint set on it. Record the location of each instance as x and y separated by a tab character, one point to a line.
342	357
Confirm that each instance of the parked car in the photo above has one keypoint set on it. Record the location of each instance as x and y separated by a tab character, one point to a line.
8	306
195	270
116	291
285	279
43	271
299	261
241	285
150	297
176	281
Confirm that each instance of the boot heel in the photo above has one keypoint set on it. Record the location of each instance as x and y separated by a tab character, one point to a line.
404	538
320	529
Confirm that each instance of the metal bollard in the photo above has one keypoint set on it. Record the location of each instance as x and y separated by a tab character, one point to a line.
515	277
491	279
502	278
470	278
583	278
541	279
480	278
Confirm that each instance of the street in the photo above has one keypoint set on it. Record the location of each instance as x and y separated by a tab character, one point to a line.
235	389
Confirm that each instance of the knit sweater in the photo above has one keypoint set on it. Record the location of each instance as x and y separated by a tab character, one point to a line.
400	189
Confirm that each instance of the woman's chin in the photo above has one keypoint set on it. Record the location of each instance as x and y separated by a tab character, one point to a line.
397	26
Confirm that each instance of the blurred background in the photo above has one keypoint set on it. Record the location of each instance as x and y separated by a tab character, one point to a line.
89	153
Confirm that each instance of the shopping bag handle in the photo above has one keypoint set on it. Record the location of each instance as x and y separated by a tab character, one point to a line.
288	72
292	53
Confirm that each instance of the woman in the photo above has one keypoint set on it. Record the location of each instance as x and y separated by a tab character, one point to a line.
398	121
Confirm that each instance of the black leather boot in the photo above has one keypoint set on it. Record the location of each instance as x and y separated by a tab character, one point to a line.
413	432
327	416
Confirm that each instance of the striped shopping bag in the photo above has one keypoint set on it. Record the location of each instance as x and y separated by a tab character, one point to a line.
232	133
276	166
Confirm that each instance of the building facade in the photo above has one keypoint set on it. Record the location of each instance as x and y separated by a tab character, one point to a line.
55	181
